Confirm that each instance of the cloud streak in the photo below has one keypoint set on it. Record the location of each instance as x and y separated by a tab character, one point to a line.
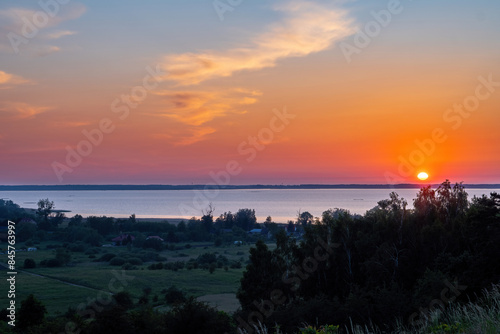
199	107
8	80
307	28
186	137
20	27
23	110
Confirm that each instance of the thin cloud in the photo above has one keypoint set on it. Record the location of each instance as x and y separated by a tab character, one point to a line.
23	110
187	137
70	124
18	29
8	80
45	50
307	28
198	107
59	34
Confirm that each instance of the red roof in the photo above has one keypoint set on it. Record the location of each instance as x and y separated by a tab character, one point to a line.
123	237
154	237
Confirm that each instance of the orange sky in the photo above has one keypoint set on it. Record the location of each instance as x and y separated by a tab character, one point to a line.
204	87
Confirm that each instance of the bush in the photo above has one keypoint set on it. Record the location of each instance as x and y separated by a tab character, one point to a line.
174	295
29	263
117	261
78	247
92	251
123	299
106	257
236	265
135	261
128	266
53	263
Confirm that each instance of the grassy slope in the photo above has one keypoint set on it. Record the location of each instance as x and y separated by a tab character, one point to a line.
58	296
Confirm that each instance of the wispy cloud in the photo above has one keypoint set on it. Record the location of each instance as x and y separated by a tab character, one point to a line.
186	137
59	34
307	28
69	124
199	107
23	110
8	80
18	28
45	50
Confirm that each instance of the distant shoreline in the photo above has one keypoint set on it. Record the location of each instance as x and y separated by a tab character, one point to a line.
80	187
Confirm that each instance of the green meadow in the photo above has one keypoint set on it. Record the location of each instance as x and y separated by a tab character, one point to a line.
84	280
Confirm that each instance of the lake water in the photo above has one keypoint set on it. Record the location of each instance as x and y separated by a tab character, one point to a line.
280	204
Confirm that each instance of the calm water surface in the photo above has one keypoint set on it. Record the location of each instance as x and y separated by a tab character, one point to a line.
280	204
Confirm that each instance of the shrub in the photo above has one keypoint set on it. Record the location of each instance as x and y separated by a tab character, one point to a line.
78	247
135	261
174	295
92	251
29	263
117	261
106	257
128	266
123	299
53	263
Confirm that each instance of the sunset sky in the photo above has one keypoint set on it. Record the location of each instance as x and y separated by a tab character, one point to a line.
269	92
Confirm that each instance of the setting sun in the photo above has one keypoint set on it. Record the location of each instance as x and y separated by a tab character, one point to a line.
422	176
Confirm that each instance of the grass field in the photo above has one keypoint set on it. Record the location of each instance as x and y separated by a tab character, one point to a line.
84	280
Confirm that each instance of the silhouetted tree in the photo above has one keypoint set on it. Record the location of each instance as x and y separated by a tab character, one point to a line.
31	313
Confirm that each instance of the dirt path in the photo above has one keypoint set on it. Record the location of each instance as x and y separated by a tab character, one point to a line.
6	267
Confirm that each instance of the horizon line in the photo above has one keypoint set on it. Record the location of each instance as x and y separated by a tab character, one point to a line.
32	187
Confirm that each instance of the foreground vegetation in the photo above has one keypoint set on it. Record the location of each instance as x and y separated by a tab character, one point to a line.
392	270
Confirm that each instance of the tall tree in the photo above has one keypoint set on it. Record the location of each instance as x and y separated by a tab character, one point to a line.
31	313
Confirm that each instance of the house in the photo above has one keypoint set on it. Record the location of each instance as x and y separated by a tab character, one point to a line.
255	231
123	239
155	237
